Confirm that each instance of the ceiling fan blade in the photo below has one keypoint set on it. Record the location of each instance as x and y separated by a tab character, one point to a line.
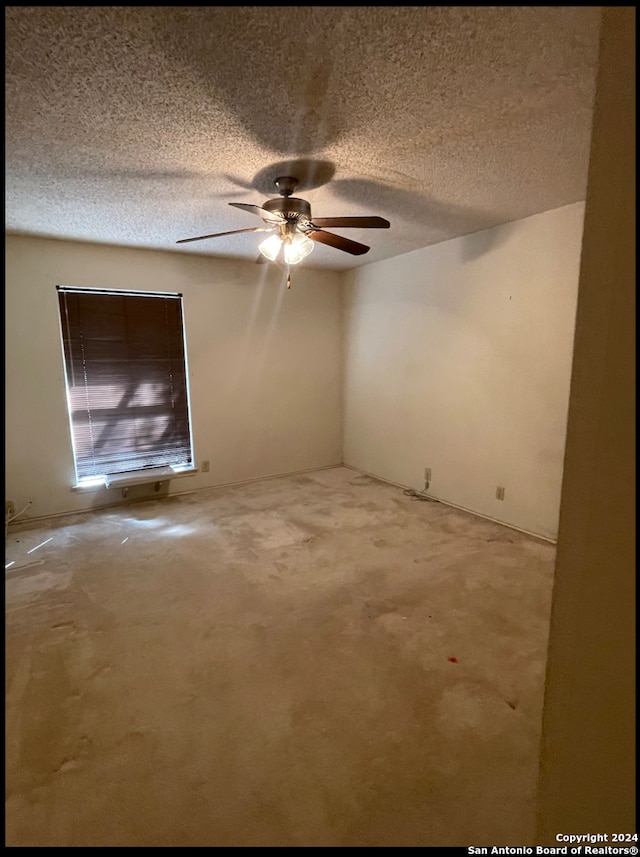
338	242
233	232
273	216
361	222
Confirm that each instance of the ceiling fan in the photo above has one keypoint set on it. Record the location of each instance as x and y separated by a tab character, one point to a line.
293	230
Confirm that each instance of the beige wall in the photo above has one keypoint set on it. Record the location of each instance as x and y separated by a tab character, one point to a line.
588	772
458	358
264	365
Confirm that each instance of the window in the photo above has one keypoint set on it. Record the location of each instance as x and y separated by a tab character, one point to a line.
127	385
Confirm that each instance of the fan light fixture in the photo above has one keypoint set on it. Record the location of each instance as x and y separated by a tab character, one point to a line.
294	232
296	247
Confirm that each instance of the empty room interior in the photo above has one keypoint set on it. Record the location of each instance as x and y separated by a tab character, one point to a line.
319	426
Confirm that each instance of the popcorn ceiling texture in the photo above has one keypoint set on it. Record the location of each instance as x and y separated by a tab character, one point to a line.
138	125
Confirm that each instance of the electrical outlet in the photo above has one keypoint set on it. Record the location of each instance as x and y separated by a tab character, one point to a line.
427	476
499	493
9	509
205	467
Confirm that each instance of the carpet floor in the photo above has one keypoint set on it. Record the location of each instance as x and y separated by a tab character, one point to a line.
310	660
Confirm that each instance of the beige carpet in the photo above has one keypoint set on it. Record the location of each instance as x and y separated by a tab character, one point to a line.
310	660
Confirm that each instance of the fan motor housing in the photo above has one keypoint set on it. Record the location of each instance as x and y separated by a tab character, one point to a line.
290	207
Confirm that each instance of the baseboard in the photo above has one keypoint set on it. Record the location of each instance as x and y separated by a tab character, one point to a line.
455	506
27	522
60	515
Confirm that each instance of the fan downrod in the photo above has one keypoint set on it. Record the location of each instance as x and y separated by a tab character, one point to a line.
286	185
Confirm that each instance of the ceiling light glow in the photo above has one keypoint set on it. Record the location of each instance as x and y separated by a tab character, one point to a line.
296	247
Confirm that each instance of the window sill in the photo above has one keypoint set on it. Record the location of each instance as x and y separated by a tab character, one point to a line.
142	477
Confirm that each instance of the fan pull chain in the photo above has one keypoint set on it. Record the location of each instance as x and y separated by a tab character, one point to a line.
288	278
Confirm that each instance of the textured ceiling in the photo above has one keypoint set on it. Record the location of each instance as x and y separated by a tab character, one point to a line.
138	125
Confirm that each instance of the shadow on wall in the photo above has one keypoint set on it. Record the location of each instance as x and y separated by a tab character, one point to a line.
476	244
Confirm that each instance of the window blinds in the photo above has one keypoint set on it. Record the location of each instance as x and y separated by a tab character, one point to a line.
126	378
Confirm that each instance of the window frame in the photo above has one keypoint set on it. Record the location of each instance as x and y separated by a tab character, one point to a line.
144	473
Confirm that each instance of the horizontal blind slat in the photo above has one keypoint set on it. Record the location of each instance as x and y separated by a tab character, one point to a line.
126	376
